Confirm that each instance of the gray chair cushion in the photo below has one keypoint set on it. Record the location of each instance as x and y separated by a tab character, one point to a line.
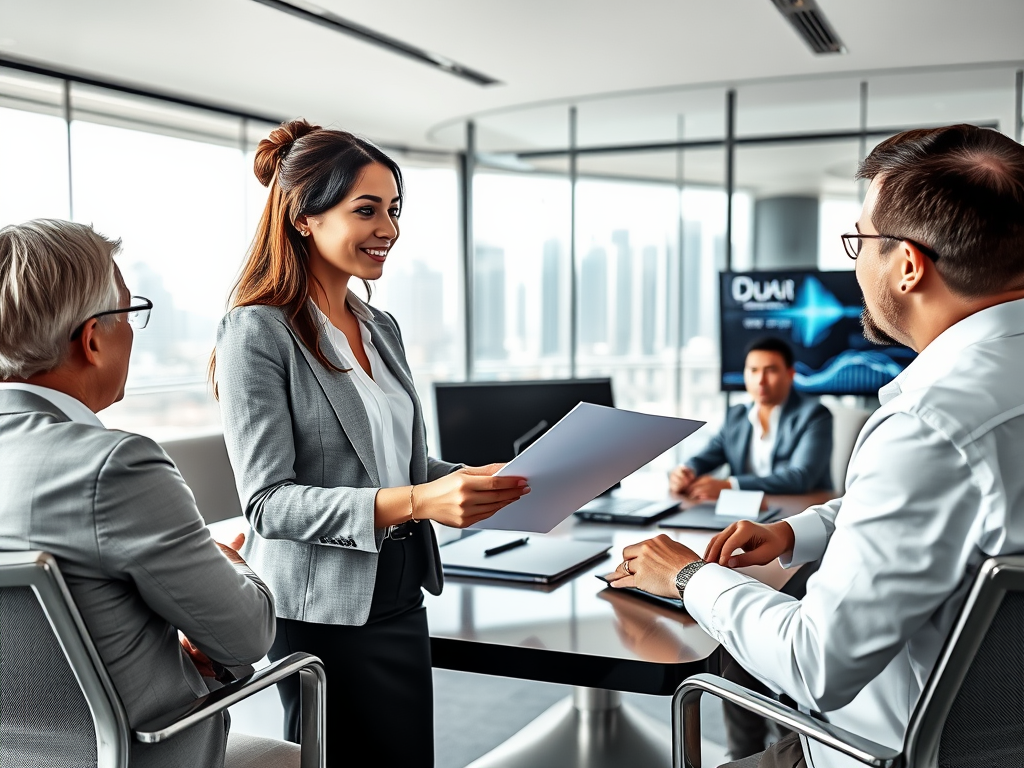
245	751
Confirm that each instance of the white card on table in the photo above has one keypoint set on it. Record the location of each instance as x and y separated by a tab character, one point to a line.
741	505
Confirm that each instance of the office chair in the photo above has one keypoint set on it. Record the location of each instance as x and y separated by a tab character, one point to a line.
204	465
58	706
971	711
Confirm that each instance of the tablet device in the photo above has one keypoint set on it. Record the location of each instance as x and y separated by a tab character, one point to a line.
671	602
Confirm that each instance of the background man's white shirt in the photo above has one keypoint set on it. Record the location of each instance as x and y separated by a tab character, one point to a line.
934	487
762	443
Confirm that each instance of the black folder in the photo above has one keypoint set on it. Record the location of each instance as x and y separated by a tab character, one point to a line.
541	560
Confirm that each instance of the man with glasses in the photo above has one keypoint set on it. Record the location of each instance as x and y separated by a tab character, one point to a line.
935	483
109	505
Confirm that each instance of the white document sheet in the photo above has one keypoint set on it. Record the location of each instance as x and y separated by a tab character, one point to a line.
591	449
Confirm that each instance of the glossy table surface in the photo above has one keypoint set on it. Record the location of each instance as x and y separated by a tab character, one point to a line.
579	631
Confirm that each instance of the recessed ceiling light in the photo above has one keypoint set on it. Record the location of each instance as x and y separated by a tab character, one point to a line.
325	18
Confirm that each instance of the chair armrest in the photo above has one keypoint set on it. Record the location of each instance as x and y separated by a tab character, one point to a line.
168	725
686	714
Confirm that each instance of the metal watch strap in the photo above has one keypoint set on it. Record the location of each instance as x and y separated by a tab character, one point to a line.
684	576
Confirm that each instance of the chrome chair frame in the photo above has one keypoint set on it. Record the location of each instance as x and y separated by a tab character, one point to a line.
996	577
39	571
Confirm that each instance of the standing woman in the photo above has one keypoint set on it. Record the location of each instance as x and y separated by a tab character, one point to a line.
326	438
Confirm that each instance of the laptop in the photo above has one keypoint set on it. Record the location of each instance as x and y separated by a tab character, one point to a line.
481	422
627	511
703	516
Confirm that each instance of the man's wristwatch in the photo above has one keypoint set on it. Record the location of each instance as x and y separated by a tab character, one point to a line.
684	576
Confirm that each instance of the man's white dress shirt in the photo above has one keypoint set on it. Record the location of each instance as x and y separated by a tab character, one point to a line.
388	406
935	485
762	443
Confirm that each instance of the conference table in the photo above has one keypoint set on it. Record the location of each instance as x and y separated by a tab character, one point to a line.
580	632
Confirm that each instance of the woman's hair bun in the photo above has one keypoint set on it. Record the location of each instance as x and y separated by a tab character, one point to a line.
273	149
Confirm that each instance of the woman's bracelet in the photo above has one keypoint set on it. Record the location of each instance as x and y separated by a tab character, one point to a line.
412	505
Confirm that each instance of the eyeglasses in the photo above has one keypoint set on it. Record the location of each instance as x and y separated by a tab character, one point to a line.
138	315
852	244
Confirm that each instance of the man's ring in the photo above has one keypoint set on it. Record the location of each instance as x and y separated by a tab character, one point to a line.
625	567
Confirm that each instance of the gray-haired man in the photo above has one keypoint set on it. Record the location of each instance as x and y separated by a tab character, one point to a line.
109	505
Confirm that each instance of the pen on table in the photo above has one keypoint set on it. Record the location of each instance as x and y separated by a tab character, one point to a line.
506	546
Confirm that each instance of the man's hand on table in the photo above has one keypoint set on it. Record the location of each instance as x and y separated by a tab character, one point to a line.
680	478
760	544
652	566
707	488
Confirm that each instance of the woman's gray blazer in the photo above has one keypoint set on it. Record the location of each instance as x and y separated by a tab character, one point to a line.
300	446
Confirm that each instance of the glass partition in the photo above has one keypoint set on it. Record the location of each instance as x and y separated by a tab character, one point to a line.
521	275
176	184
652	117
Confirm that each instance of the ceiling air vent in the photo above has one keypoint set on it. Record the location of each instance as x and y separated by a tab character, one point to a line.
811	24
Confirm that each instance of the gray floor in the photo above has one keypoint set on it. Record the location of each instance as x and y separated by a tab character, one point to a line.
475	713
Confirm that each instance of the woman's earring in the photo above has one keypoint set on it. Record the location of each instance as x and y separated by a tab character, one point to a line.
305	233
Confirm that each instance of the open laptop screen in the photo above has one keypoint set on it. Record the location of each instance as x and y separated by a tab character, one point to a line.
481	422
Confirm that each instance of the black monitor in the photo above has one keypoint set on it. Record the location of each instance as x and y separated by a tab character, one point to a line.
481	422
818	314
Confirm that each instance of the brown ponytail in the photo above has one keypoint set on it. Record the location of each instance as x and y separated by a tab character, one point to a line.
309	170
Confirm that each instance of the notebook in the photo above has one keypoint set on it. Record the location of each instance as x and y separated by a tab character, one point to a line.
541	560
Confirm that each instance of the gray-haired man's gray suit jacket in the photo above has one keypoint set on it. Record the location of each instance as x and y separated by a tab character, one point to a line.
140	564
801	456
301	449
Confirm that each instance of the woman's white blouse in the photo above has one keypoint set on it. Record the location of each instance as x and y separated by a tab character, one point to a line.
388	406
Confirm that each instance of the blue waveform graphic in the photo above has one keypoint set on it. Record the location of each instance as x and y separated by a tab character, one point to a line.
814	312
849	371
857	371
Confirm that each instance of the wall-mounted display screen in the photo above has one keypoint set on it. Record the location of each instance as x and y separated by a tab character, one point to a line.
818	314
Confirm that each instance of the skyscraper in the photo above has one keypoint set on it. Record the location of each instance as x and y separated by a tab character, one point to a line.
593	299
649	300
623	291
693	286
489	303
416	299
550	293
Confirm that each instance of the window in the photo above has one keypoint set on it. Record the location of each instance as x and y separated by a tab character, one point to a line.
421	282
521	276
33	149
168	183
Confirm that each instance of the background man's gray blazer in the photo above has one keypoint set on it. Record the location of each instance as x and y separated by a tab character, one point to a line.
300	446
140	563
801	457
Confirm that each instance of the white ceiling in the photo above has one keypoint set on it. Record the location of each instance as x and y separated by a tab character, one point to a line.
241	53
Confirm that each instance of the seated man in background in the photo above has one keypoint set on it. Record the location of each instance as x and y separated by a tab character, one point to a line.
109	505
935	483
780	443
